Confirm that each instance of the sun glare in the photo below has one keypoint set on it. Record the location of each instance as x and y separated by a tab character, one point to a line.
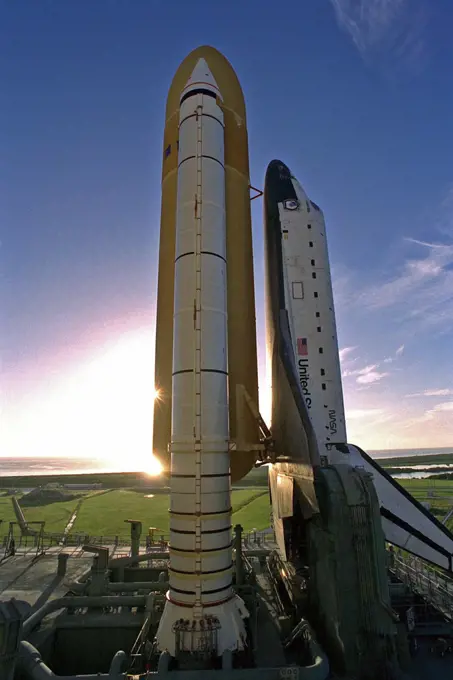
265	402
102	409
153	468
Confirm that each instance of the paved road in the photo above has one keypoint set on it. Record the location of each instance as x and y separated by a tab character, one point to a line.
25	577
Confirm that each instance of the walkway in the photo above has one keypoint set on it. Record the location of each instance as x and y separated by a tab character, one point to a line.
432	585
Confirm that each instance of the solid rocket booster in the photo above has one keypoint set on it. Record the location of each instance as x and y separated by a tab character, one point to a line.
241	345
202	611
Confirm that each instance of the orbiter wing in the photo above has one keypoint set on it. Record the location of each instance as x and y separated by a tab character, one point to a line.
406	523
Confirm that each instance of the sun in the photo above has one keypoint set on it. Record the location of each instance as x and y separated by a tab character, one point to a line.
153	467
101	409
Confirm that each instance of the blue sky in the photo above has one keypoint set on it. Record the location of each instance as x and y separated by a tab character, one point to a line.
354	95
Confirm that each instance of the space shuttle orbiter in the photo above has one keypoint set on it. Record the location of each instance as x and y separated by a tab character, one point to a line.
302	333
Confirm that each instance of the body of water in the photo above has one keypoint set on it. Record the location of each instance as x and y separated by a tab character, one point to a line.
415	471
59	466
414	475
406	453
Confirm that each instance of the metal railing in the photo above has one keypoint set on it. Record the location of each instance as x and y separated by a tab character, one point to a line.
24	543
419	577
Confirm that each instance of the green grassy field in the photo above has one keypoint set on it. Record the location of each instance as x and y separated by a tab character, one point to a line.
420	459
6	513
55	515
103	513
439	486
437	492
256	515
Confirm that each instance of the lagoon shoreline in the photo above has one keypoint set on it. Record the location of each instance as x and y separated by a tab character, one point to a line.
422	464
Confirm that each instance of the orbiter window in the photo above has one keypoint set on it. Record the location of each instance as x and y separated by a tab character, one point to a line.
291	204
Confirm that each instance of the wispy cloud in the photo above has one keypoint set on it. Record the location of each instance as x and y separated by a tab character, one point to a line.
344	352
359	413
368	22
398	353
387	313
365	425
393	27
423	289
420	293
360	371
438	416
366	375
444	407
377	421
371	377
444	392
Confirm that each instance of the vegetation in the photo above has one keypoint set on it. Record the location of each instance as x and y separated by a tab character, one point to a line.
410	461
255	515
45	496
110	480
6	513
438	463
55	515
116	480
105	515
442	472
427	485
103	512
437	492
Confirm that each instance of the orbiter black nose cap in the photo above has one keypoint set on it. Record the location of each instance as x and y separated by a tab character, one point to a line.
278	168
279	183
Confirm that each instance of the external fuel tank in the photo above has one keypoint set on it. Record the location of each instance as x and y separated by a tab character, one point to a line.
241	334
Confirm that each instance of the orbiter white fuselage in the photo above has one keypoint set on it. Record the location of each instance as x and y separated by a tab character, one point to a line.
309	302
301	306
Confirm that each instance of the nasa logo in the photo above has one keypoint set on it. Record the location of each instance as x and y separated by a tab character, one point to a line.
333	421
291	205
